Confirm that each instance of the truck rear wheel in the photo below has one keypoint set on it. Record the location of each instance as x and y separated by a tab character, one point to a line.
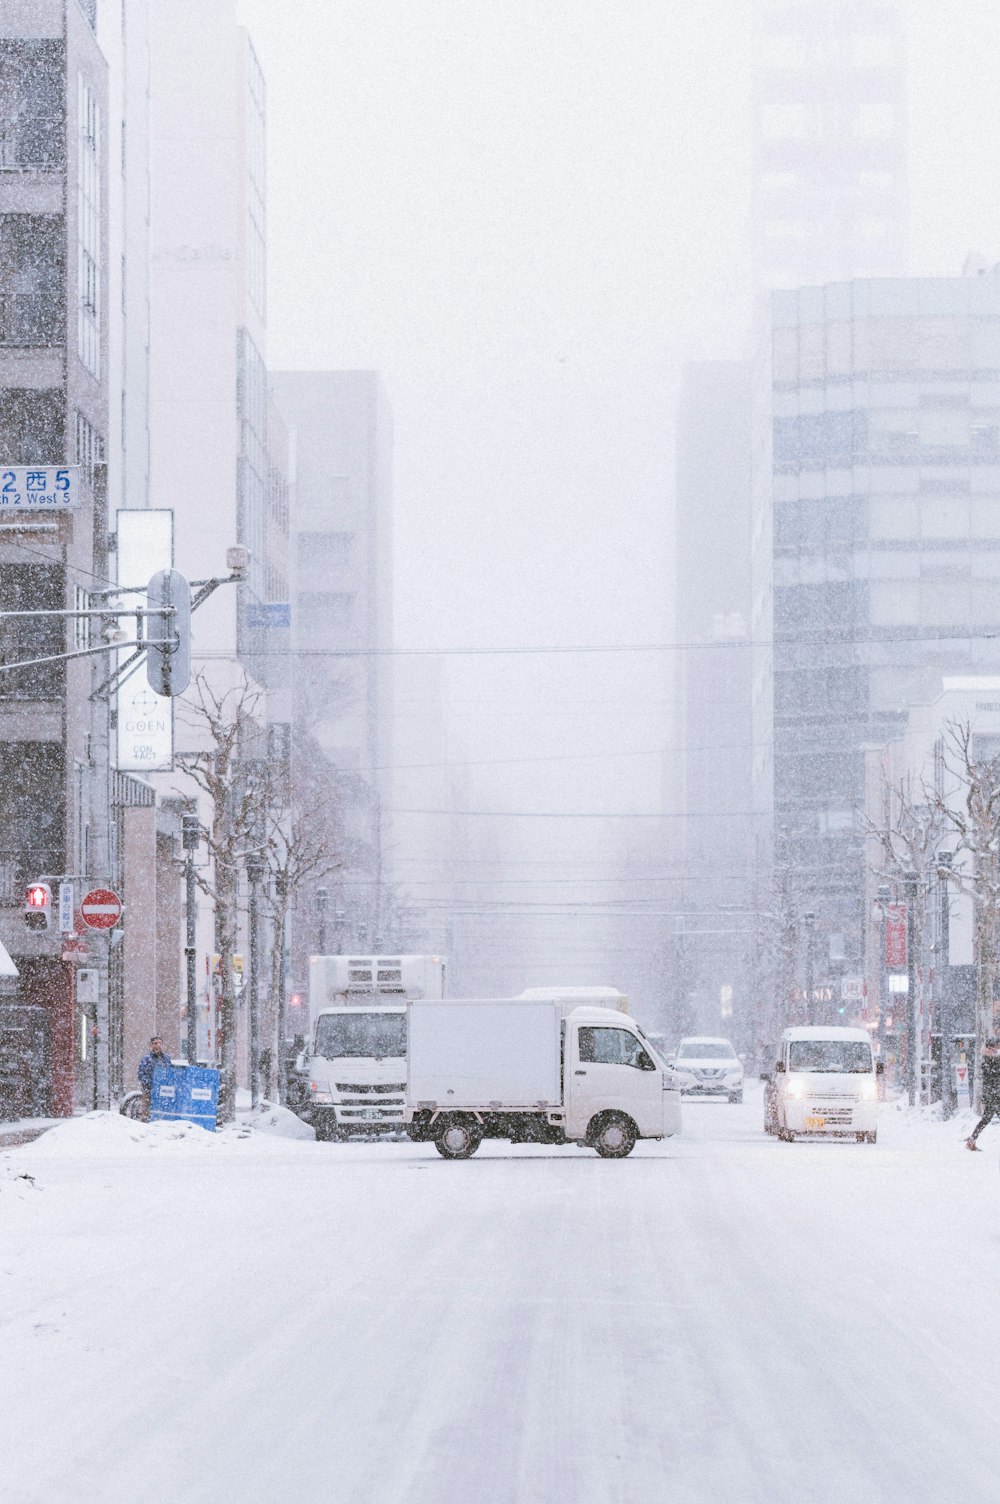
457	1138
613	1135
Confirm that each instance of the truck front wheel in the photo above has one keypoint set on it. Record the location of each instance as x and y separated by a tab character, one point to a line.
613	1135
457	1138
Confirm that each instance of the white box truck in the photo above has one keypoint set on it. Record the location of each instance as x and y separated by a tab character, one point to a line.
356	1065
526	1070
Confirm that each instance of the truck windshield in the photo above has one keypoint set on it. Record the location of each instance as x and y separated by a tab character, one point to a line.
830	1055
376	1036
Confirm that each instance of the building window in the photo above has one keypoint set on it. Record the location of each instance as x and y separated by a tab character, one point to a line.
32	426
32	279
256	140
81	624
784	122
32	811
875	121
32	131
89	447
32	587
89	228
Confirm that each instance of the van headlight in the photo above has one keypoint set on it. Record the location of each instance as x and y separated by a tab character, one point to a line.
869	1089
795	1088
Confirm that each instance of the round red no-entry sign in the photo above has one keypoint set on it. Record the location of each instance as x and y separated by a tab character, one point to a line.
101	909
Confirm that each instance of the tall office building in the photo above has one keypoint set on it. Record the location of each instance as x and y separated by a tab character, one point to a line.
877	551
53	411
341	493
217	450
713	597
211	456
829	142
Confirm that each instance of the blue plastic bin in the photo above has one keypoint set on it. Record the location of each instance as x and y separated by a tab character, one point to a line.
185	1093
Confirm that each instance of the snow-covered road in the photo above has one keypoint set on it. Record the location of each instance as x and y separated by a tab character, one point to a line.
721	1317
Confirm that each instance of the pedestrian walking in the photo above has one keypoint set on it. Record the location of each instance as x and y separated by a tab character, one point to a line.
990	1067
154	1056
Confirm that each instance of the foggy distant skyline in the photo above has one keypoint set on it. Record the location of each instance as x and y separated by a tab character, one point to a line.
528	217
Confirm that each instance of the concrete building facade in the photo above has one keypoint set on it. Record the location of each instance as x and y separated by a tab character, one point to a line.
877	554
54	792
342	617
713	688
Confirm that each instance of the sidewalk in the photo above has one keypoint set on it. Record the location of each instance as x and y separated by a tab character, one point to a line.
23	1130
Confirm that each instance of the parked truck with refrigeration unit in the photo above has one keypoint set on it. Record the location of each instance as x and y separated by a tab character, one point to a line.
356	1063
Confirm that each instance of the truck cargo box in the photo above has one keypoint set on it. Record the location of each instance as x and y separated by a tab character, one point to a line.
503	1052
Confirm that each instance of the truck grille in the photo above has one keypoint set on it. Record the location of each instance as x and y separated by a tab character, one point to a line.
365	1089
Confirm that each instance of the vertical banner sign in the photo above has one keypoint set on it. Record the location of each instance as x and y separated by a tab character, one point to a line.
145	719
895	934
67	907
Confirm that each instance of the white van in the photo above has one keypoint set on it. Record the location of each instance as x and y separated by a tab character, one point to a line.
824	1084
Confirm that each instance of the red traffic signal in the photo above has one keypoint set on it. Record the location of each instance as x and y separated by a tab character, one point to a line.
38	906
295	1001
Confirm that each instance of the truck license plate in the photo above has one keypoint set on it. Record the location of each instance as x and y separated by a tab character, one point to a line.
815	1122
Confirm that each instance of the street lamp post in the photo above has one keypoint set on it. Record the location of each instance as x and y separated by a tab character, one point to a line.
910	886
883	898
809	920
256	867
190	836
281	894
945	1019
322	903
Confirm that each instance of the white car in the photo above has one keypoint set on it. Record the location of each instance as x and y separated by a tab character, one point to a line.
708	1067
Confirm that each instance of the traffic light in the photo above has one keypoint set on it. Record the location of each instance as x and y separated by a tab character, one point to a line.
168	654
38	907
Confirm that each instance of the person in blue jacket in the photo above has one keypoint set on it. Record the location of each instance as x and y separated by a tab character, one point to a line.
154	1056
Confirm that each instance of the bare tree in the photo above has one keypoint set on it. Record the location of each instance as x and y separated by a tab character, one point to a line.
303	842
970	812
227	724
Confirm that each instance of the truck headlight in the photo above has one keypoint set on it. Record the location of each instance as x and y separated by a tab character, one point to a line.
869	1089
319	1093
795	1088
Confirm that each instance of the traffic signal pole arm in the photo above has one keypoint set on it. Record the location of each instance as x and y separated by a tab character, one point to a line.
204	588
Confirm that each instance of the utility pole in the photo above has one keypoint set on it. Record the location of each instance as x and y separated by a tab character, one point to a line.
106	1069
281	894
190	836
255	874
945	1019
322	901
809	920
910	886
882	901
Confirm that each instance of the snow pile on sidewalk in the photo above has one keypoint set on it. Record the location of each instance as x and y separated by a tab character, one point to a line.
274	1120
98	1135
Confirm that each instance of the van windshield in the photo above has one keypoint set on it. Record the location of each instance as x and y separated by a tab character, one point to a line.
376	1036
829	1055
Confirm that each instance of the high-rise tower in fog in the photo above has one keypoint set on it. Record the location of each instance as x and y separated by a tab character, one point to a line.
829	142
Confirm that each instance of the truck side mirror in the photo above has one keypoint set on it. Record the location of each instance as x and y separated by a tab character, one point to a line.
880	1067
779	1066
765	1075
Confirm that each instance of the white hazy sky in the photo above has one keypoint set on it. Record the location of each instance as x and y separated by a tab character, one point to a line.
527	214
